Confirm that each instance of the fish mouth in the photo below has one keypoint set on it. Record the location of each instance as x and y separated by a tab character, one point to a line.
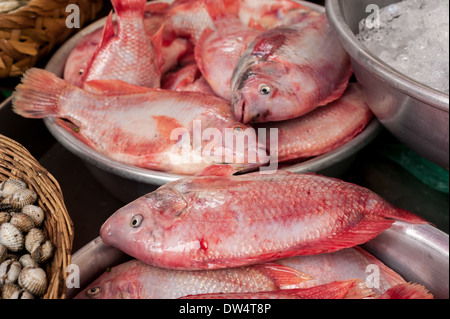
240	109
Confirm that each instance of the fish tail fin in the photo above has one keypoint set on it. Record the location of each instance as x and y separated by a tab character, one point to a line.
407	291
39	94
122	7
404	215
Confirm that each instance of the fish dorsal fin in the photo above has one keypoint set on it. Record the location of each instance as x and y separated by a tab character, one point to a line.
157	41
113	87
283	276
107	33
217	170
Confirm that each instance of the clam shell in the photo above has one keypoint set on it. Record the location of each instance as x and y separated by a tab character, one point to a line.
9	271
11	291
10	186
43	252
35	212
4	217
11	237
34	239
3	252
27	261
23	222
22	197
33	280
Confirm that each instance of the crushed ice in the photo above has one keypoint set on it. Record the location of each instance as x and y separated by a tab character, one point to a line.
413	38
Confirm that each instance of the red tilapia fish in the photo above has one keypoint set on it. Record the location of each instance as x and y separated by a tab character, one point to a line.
321	130
139	126
289	71
336	290
79	58
216	220
137	280
130	55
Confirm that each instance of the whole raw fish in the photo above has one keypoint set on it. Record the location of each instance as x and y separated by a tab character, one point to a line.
130	55
137	280
79	58
289	71
190	18
342	265
337	290
323	129
217	53
144	127
216	220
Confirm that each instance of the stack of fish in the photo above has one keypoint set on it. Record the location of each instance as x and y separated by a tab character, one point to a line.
135	89
230	64
279	235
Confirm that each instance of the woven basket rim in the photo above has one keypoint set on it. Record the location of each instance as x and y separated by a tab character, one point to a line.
17	162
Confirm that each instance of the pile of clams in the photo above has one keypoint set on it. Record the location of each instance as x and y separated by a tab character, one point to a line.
24	250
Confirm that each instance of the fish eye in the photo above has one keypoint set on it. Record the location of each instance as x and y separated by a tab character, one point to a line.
93	292
136	221
265	89
238	129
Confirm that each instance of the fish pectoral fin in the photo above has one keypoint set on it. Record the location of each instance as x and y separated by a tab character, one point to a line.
74	130
217	170
157	41
283	276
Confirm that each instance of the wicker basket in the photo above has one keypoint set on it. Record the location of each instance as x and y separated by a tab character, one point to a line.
31	32
17	162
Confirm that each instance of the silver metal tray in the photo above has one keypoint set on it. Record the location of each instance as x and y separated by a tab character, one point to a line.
419	253
414	113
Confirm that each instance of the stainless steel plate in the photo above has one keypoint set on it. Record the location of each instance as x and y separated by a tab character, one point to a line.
128	182
419	253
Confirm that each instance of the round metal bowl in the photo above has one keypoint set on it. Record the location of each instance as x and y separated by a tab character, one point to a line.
414	113
419	253
128	182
